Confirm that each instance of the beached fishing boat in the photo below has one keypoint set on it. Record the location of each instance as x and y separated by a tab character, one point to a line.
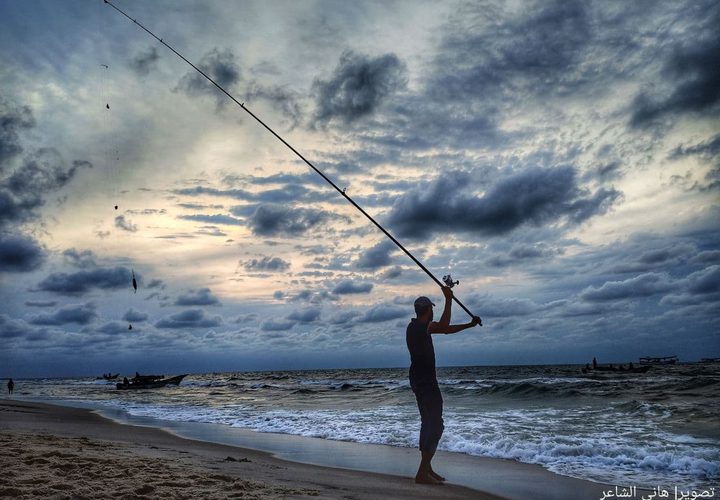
150	382
664	360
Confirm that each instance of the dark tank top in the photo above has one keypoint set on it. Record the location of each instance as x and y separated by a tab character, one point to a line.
422	354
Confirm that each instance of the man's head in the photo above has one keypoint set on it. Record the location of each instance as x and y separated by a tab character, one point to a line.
423	307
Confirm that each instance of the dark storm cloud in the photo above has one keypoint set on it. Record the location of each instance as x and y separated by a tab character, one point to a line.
81	314
707	257
606	171
24	191
124	224
272	219
214	219
200	297
134	316
357	87
707	150
495	307
191	318
41	303
488	53
665	254
522	254
645	285
305	315
82	282
279	178
377	256
13	328
532	196
290	192
273	264
392	273
311	296
343	317
199	206
700	286
145	61
81	259
281	99
13	119
384	312
221	66
694	72
156	283
272	325
705	281
348	287
238	194
112	328
645	253
20	254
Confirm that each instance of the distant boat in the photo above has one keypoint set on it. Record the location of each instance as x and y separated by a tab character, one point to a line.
665	360
150	382
109	376
617	370
710	360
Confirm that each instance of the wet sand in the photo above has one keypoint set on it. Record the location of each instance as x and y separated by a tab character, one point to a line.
61	452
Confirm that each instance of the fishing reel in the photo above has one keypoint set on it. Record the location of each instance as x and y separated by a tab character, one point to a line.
449	281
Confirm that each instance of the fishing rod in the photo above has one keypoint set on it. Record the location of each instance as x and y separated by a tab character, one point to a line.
447	280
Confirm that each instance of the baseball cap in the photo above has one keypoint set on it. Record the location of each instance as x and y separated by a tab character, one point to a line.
423	302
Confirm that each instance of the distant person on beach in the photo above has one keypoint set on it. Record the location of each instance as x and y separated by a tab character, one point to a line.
423	379
11	386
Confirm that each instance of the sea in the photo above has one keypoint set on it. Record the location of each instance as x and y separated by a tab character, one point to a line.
656	428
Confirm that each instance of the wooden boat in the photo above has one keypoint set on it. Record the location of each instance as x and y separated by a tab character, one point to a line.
150	382
617	370
146	378
108	376
664	360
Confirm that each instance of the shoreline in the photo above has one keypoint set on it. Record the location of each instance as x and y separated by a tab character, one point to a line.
282	466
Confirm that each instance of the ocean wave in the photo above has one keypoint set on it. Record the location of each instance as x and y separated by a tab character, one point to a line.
634	452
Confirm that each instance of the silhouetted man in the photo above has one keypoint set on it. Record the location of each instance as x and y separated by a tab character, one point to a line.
11	386
423	379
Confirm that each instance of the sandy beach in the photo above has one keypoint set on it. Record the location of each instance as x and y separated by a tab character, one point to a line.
62	452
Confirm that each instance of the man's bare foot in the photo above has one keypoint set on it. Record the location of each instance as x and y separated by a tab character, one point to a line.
427	479
437	476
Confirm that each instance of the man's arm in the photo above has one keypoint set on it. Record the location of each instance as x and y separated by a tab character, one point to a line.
444	323
455	328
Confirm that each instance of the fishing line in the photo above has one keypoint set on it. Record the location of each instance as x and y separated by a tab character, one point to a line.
448	280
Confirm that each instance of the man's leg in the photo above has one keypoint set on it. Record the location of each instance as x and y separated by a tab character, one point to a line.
424	474
429	402
435	404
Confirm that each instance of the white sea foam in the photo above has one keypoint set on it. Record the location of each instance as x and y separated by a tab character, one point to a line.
634	451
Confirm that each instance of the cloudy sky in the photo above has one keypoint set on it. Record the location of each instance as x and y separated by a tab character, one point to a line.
560	159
